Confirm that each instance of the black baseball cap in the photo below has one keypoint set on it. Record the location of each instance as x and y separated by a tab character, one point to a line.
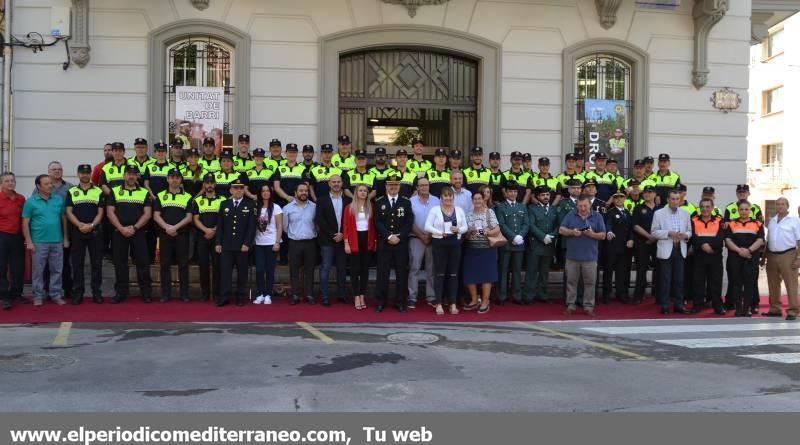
494	155
140	141
308	148
209	177
638	163
274	143
708	189
326	147
401	152
209	141
160	146
570	157
663	157
361	153
380	151
477	151
544	160
455	153
259	152
634	182
440	152
244	138
117	146
291	147
680	187
613	161
193	152
516	155
226	155
742	188
84	168
174	172
344	139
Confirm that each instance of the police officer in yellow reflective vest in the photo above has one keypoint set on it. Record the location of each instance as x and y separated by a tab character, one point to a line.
634	196
173	216
242	161
710	193
113	173
731	214
226	175
321	174
418	164
141	159
476	174
206	214
407	177
438	176
344	159
380	171
261	174
569	173
606	181
664	178
520	177
84	210
129	210
209	161
275	148
543	178
360	175
496	178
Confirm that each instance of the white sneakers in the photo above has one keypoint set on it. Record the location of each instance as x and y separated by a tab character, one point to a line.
263	299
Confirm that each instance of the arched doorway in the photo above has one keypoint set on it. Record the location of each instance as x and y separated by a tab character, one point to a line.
383	92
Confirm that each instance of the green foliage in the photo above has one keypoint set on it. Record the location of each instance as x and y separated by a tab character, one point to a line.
402	137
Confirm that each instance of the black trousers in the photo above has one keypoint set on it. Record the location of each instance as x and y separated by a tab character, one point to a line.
302	254
121	248
228	259
359	265
80	243
741	281
446	264
618	268
393	257
688	278
707	279
174	249
208	262
12	266
645	255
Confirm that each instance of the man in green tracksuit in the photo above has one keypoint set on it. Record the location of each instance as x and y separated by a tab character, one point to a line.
543	221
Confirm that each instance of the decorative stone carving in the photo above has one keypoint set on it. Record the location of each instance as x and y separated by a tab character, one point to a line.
759	30
200	4
79	49
412	5
607	12
706	13
726	100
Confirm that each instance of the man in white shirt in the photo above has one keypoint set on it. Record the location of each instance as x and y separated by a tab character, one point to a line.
419	246
462	196
783	259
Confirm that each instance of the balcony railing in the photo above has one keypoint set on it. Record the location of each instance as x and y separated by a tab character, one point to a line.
770	175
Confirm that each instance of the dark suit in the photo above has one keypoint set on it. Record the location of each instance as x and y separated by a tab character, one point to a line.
236	228
617	254
389	220
332	253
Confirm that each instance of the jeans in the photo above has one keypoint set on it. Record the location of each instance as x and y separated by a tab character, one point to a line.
333	256
670	279
420	262
52	255
446	261
266	260
12	265
577	270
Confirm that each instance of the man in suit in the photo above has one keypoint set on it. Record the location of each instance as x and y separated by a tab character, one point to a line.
393	221
618	249
543	223
513	219
672	229
236	231
330	209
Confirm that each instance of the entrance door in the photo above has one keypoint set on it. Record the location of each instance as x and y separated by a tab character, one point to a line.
384	93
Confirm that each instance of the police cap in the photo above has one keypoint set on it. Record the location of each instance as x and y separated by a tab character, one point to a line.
393	178
589	182
638	163
209	141
380	151
174	172
440	152
140	141
209	178
511	185
131	169
117	146
361	153
237	183
160	146
680	187
574	183
516	155
274	143
494	155
193	152
600	156
455	153
84	168
649	188
326	147
259	152
648	160
708	190
634	182
477	151
570	157
226	155
244	138
541	189
618	193
308	148
544	160
291	147
742	188
344	139
401	152
527	157
663	157
613	161
177	143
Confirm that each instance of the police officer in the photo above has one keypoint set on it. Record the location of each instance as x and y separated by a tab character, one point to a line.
606	181
393	221
543	225
527	164
360	175
321	174
438	176
173	216
639	175
209	161
226	174
205	208
275	148
476	174
648	162
129	210
570	173
155	173
512	217
418	164
407	177
664	178
140	159
288	176
543	178
235	235
262	172
242	161
634	196
644	243
344	159
520	177
308	159
731	214
113	173
710	193
192	173
380	171
455	160
496	176
618	249
176	155
84	210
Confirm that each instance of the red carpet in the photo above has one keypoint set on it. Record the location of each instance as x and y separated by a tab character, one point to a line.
135	310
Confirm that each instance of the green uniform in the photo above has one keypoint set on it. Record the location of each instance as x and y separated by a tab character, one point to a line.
513	220
542	220
521	178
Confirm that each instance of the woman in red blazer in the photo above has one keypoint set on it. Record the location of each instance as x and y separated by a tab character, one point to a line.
359	241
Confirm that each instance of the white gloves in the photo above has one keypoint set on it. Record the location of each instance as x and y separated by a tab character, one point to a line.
518	241
547	240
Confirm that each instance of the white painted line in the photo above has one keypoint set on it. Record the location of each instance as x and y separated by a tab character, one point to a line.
692	328
734	342
787	358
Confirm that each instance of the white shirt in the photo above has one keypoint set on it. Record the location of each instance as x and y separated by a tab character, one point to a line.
267	237
337	209
463	199
362	222
783	235
236	203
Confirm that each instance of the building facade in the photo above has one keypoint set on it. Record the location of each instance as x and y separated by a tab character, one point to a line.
505	75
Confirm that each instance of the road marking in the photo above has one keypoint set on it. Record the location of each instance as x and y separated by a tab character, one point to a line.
63	334
787	358
697	343
591	343
693	328
315	332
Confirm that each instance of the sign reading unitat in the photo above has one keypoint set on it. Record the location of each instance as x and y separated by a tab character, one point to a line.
203	109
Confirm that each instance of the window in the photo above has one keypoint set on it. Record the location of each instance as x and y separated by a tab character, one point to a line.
772	101
772	154
773	45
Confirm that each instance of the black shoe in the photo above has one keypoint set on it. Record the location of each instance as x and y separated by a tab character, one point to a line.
165	299
6	305
295	300
97	300
77	301
147	299
341	300
221	303
326	302
791	317
519	302
719	311
681	310
665	310
772	314
528	302
604	299
205	298
186	299
379	308
117	300
310	300
696	310
541	300
401	308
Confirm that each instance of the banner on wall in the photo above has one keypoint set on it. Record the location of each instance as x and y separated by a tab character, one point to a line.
606	129
199	113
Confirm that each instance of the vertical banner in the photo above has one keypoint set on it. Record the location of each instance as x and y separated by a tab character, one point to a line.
606	129
199	113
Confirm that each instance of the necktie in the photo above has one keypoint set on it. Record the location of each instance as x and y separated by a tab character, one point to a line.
392	202
235	205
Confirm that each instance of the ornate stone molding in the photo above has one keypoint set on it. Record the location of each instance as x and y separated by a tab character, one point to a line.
79	49
706	13
412	5
200	4
607	12
759	30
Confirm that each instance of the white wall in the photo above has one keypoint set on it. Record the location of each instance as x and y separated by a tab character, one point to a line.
69	115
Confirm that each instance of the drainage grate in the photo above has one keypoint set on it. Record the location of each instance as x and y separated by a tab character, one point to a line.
413	338
32	363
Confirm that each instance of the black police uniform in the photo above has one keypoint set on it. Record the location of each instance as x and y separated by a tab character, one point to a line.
85	206
174	207
395	219
129	205
644	253
154	177
236	227
618	256
206	210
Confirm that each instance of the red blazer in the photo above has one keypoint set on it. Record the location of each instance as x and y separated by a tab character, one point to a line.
351	234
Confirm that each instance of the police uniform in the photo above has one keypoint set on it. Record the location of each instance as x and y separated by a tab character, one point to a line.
474	178
86	204
289	176
606	181
129	206
210	165
539	180
308	164
356	177
240	164
344	163
521	178
259	177
280	160
174	208
206	211
543	222
496	179
236	227
192	176
439	179
565	176
408	179
644	253
225	179
393	216
141	165
321	174
617	255
379	175
154	176
513	220
664	183
113	175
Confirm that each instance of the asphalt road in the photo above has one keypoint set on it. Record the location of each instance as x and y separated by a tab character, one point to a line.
703	365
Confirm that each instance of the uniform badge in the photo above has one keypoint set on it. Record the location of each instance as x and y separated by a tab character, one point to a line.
75	193
472	174
401	211
383	207
336	163
283	169
227	209
644	212
245	210
617	216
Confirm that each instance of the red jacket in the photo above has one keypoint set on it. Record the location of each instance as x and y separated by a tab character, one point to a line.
351	234
97	172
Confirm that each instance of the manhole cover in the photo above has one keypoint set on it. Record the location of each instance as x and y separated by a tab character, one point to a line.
32	363
414	338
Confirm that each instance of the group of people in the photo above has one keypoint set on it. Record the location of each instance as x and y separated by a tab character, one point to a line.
467	232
